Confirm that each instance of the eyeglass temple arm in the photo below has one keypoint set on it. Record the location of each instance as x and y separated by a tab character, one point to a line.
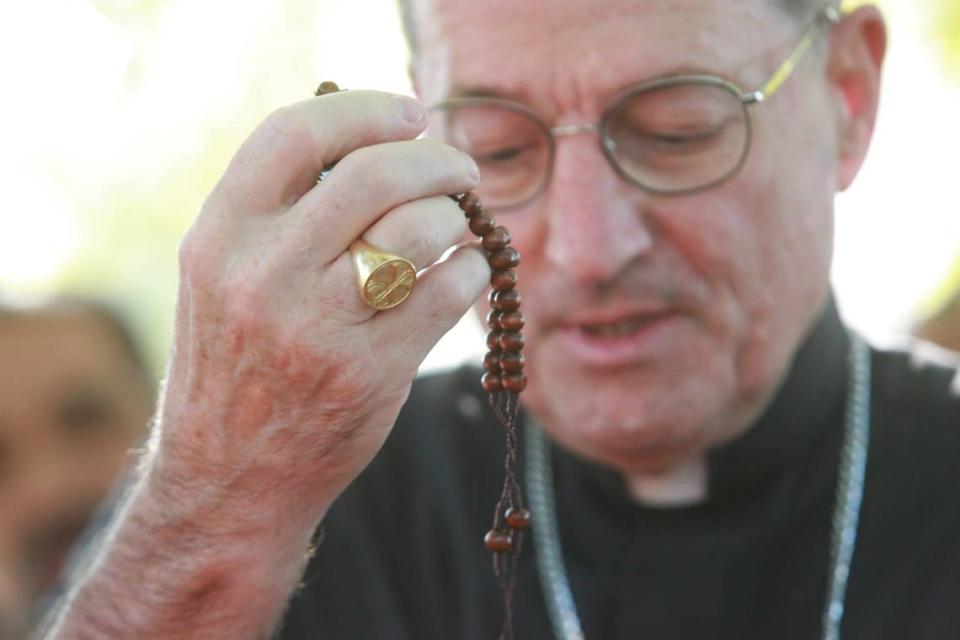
829	15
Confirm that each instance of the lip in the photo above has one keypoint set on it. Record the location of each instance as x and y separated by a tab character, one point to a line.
617	350
613	314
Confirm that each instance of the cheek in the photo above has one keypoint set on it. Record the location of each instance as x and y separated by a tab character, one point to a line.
763	239
770	240
793	215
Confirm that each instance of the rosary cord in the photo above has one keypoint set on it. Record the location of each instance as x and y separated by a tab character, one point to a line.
506	409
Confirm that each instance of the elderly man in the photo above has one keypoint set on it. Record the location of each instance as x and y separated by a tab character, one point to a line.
718	460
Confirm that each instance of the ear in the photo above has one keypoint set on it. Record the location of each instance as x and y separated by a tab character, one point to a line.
858	44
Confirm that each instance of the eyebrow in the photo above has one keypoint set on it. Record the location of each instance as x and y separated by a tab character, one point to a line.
523	97
486	92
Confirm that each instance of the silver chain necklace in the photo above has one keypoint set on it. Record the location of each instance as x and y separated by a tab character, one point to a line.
843	534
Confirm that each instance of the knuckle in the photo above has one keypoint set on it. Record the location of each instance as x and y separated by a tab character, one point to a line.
454	222
368	171
340	199
450	299
287	128
455	157
250	309
422	237
187	252
243	308
194	257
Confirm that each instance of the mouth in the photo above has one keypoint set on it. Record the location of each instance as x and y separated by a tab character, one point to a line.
617	329
617	339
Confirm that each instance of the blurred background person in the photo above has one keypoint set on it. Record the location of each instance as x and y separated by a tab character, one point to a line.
75	397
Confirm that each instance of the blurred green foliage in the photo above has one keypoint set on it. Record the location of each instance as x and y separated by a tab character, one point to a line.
946	18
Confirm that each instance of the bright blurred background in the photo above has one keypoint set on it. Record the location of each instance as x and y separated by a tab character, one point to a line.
118	116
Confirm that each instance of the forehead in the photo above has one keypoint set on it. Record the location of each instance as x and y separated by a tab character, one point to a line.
45	356
586	50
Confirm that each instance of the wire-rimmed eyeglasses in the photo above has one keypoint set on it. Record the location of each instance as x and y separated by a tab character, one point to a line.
670	136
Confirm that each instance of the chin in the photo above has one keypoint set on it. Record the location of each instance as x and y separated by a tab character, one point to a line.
627	419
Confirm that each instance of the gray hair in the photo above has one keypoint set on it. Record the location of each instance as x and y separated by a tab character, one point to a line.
800	10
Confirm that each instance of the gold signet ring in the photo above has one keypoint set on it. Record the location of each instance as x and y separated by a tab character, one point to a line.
385	280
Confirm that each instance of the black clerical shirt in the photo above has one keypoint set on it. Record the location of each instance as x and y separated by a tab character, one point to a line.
402	555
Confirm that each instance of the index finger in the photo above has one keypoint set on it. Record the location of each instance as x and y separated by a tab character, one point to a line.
281	159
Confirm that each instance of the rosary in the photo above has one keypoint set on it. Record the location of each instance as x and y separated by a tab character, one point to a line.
386	280
503	380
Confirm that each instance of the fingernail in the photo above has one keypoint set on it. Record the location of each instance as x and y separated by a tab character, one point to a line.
410	110
473	171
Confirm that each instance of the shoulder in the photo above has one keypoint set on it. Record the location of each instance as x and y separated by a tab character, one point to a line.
909	524
916	416
919	385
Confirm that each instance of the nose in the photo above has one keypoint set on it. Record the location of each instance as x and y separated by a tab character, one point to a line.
595	225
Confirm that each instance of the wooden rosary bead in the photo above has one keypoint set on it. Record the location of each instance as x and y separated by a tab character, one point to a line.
491	382
470	204
510	362
326	87
493	320
491	361
503	280
505	300
481	224
514	382
493	340
512	321
511	341
496	239
498	541
507	258
518	518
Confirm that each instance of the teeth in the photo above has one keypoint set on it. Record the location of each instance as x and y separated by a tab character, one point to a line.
614	329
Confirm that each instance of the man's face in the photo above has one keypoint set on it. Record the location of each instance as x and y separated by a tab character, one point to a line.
656	326
71	405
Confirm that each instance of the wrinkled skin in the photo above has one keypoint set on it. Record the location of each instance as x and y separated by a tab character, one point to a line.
272	340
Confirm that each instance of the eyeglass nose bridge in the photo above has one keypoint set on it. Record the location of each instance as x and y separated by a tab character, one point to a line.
563	130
